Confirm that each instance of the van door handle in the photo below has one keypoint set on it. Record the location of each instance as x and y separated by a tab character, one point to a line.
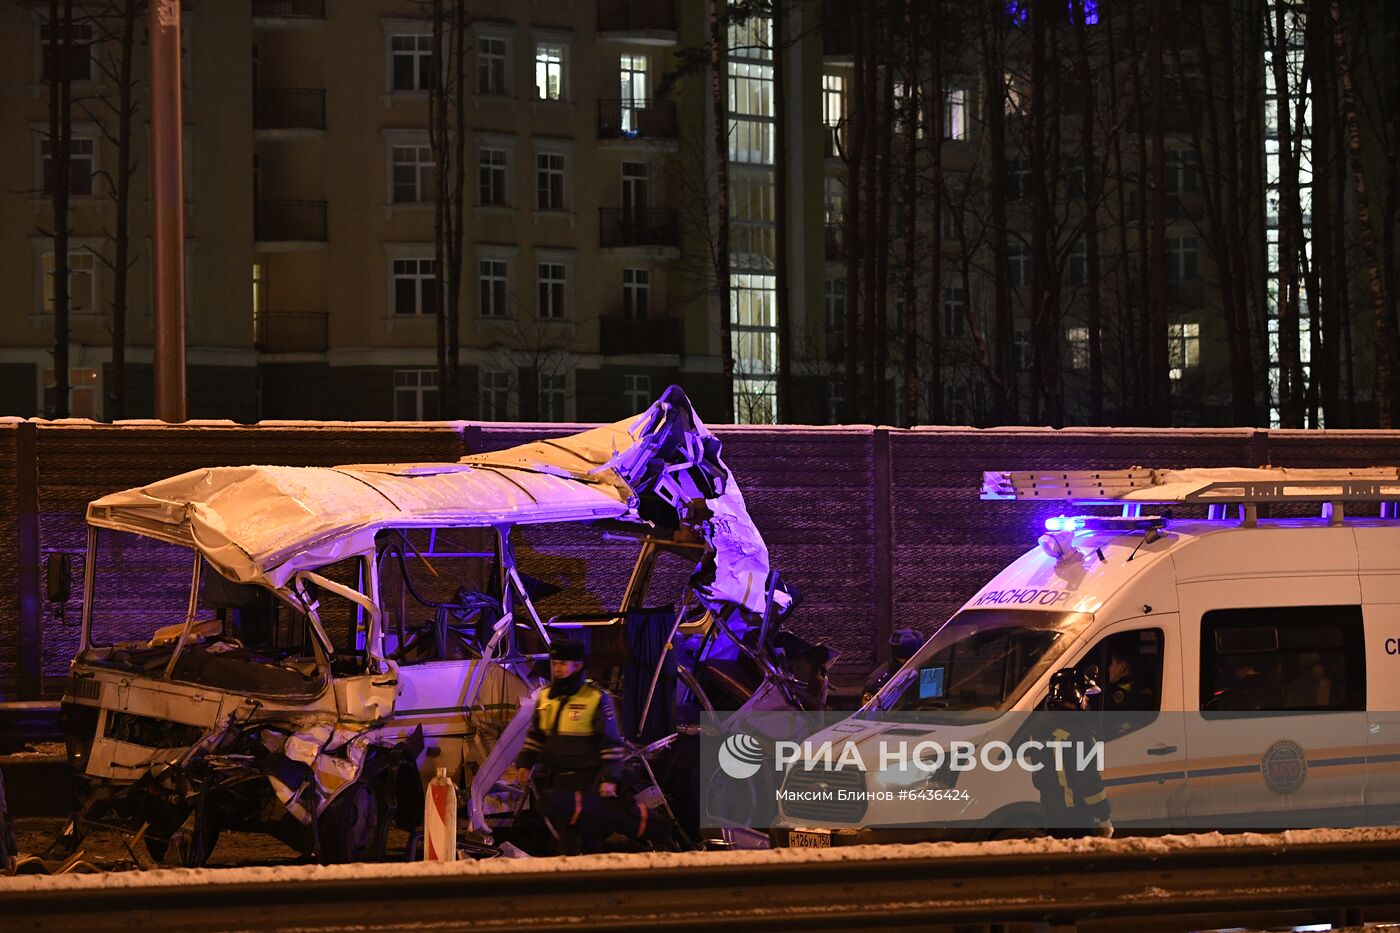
384	683
1161	750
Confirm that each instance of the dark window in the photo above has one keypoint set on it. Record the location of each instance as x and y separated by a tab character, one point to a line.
1290	658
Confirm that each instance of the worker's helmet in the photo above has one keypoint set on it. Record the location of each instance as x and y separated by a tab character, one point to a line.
1071	687
903	643
566	649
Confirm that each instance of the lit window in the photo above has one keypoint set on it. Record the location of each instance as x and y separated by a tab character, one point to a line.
632	91
1183	348
414	174
415	286
955	113
549	181
492	170
636	293
411	62
549	71
1077	339
551	282
833	99
491	65
493	288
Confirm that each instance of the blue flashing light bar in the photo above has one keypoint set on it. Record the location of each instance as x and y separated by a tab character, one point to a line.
1074	523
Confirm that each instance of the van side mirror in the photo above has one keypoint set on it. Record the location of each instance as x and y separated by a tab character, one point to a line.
57	571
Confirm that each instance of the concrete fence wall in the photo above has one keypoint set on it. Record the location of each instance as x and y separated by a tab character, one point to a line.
878	528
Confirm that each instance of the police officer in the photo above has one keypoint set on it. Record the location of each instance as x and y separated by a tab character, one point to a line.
1125	693
1072	795
573	744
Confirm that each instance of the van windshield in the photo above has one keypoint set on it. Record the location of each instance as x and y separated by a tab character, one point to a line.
982	660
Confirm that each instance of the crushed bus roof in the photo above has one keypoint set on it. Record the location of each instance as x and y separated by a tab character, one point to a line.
263	524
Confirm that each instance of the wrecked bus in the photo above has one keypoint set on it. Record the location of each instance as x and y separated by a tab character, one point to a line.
341	633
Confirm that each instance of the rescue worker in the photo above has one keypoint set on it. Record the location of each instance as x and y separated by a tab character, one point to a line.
903	643
9	848
573	749
1072	795
1125	693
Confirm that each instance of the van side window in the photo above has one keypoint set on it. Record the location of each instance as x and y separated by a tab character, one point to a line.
1130	677
1294	658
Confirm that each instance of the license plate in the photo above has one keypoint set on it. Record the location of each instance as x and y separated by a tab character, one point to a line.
809	839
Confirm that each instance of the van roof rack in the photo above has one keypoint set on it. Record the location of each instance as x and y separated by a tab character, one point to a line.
1214	486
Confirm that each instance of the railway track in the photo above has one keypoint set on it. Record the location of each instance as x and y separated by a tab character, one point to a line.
1167	883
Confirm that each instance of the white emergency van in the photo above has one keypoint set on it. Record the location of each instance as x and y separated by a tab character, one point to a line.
1256	660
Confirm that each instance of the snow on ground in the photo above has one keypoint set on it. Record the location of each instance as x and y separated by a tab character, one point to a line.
649	861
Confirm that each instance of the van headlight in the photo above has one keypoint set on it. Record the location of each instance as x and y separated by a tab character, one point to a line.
908	775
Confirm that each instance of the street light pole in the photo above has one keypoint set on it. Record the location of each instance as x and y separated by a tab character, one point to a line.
168	204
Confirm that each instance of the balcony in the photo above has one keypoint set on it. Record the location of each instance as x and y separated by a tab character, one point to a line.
647	22
618	336
289	111
835	242
637	119
1185	293
648	228
287	14
291	332
285	226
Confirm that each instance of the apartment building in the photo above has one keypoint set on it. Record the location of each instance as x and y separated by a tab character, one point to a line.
587	281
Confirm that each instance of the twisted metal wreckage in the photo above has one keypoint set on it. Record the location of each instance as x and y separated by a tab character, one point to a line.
327	735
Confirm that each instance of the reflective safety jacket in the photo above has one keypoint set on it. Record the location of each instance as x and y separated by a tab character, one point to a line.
574	732
1073	795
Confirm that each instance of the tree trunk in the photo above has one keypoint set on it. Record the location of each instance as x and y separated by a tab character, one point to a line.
854	151
451	395
1004	328
782	312
870	128
1091	225
912	84
884	174
1290	366
1157	344
1385	336
719	40
121	263
940	203
60	178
